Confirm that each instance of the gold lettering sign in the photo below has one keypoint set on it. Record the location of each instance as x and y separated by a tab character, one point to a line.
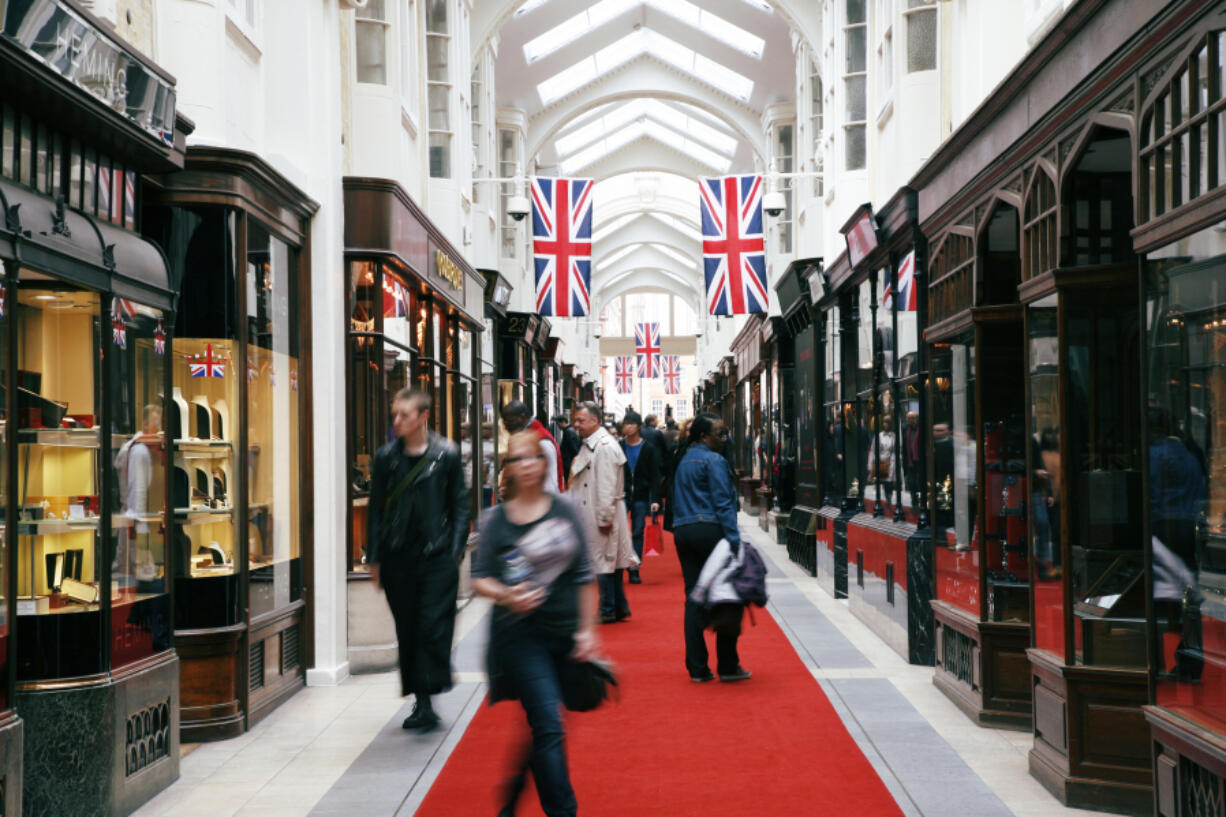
448	270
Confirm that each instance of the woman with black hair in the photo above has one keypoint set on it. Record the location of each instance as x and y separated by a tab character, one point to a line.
705	507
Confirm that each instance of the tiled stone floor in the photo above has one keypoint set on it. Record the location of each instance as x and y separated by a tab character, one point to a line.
339	751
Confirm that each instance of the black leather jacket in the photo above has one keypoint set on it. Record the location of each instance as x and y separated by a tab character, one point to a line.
438	498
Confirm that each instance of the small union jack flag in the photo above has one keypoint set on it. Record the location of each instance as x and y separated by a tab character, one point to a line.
159	340
272	375
733	248
119	332
623	373
672	374
252	371
562	246
647	346
905	302
395	299
2	294
207	365
293	379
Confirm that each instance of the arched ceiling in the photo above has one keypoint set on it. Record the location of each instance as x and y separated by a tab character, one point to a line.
645	96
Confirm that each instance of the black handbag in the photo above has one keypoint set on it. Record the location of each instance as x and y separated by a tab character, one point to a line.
586	684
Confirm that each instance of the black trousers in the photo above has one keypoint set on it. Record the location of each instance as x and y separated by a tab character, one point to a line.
694	544
421	592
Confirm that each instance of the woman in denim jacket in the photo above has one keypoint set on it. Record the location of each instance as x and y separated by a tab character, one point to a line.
704	511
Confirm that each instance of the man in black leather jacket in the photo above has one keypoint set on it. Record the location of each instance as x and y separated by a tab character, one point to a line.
417	527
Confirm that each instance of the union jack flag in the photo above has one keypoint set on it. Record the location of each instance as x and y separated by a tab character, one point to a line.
733	248
252	371
207	365
119	331
562	246
905	302
623	373
672	374
159	340
293	379
395	299
2	294
121	311
647	345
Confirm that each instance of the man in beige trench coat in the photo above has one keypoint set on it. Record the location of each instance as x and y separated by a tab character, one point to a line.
597	487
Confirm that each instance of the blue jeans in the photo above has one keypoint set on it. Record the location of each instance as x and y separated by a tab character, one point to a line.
534	664
612	594
638	518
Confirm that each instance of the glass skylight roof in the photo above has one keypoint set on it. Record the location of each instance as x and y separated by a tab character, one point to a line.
651	129
637	43
603	11
620	114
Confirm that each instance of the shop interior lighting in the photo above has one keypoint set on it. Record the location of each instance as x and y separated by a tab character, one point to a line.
604	11
636	44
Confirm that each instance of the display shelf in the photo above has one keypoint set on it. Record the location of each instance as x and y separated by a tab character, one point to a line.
204	513
54	527
60	437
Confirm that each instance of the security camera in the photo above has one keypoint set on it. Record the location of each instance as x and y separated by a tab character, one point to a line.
774	203
518	207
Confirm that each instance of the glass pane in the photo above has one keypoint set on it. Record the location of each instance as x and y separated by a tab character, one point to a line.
59	569
856	11
27	152
489	433
922	41
8	143
371	51
436	58
857	50
440	155
1186	429
1046	474
436	16
856	149
140	615
956	536
440	107
203	414
274	548
366	408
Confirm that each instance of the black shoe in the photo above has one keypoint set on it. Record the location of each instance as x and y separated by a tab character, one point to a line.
634	577
423	720
741	674
607	618
622	616
702	679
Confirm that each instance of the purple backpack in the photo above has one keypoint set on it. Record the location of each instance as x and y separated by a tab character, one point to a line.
749	581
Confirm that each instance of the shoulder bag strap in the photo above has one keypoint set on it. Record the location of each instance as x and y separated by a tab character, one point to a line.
404	483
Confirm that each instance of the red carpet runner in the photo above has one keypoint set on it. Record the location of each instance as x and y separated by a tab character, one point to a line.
772	745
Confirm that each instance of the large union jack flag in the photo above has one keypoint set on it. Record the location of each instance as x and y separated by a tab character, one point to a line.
733	248
647	345
623	373
395	299
207	365
562	246
905	302
672	374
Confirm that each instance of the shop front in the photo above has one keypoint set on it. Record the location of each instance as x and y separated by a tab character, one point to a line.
89	680
235	233
746	433
414	317
798	405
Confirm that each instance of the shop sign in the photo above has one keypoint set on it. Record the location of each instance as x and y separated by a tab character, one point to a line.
79	51
448	270
862	237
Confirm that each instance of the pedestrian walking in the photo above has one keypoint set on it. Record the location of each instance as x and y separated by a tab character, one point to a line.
704	512
418	523
597	486
516	417
532	560
643	469
568	443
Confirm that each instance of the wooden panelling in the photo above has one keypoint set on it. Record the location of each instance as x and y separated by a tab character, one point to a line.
1050	719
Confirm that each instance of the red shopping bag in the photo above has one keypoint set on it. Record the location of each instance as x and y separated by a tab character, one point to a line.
653	542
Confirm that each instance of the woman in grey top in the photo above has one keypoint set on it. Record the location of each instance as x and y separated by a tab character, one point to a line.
532	560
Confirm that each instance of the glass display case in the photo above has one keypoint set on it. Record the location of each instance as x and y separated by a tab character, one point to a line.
833	483
1185	431
1045	472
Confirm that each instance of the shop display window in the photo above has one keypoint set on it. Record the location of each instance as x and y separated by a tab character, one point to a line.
274	545
954	498
1046	473
830	463
6	618
62	569
1103	441
860	428
140	606
1185	308
365	408
881	462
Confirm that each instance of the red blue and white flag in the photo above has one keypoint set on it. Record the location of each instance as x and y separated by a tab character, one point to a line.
159	340
122	310
672	374
623	373
252	371
647	346
207	365
395	299
562	246
733	247
905	302
119	332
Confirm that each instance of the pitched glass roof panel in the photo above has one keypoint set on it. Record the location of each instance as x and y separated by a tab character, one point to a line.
620	114
528	6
